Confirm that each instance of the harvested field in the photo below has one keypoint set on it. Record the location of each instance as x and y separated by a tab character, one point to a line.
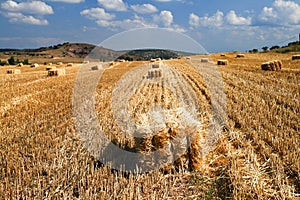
256	156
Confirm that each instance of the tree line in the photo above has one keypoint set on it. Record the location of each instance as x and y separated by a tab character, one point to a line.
13	61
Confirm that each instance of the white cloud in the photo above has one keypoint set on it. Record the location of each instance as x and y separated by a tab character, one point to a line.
268	14
116	5
32	7
20	18
136	22
194	20
68	1
116	25
281	13
289	10
144	8
97	14
165	17
215	20
233	19
18	12
177	28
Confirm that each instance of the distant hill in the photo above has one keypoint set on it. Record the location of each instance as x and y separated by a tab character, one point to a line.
63	51
148	54
77	52
290	47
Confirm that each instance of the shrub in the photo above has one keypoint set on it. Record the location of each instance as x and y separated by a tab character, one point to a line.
2	63
275	47
265	48
11	61
26	62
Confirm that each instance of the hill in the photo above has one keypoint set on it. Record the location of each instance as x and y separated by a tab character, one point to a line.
77	52
148	54
290	47
66	52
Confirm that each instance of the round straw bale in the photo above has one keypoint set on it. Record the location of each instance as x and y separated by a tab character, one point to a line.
222	62
296	57
34	65
240	55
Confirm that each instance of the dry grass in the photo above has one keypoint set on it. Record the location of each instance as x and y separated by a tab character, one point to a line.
257	157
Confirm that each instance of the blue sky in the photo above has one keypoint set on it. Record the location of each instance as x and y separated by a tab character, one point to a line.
231	25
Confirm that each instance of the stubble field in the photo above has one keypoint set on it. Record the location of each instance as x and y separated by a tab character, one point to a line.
257	155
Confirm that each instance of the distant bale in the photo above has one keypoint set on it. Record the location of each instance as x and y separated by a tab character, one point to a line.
56	72
222	55
34	65
296	57
222	62
274	65
111	63
188	58
122	60
204	60
59	63
240	55
50	68
86	62
158	59
20	65
49	63
152	60
95	67
13	71
70	64
156	64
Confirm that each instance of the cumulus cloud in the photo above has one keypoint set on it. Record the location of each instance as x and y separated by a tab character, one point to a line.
68	1
116	5
218	20
165	17
107	20
233	19
30	12
136	22
20	18
268	14
281	13
177	28
215	20
32	7
194	20
144	8
97	14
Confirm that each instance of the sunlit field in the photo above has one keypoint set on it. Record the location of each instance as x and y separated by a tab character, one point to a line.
257	154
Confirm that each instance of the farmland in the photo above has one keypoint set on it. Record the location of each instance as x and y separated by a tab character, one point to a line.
256	156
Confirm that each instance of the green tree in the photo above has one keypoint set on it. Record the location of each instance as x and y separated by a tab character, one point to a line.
275	47
265	48
26	62
11	61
